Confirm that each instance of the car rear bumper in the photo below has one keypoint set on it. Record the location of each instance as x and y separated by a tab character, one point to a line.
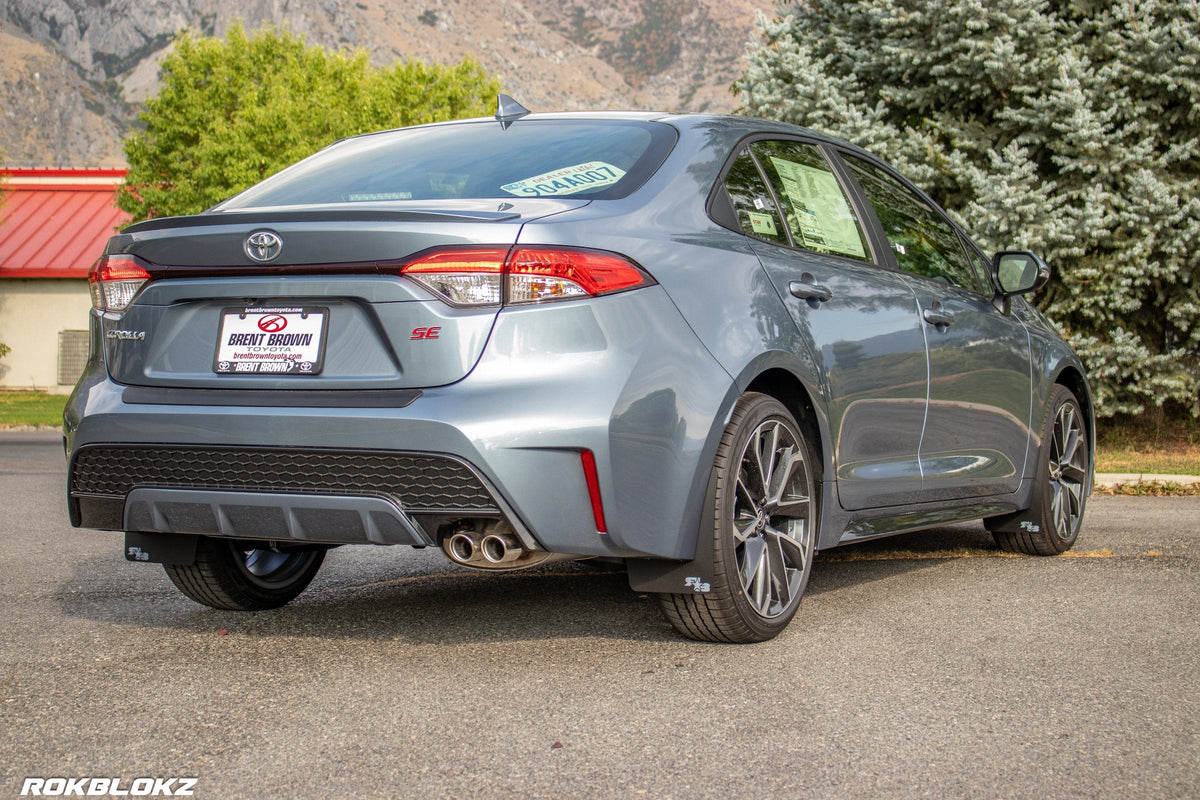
622	377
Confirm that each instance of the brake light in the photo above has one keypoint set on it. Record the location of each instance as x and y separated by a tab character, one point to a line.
115	280
540	274
489	276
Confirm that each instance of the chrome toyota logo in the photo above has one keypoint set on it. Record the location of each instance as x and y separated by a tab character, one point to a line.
264	246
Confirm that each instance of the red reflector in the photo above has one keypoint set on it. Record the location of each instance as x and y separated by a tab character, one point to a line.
593	486
594	271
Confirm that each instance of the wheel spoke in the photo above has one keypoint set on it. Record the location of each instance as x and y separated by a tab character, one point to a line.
1074	497
743	493
1062	429
781	499
766	443
1058	510
779	573
781	471
744	525
1070	448
1072	473
794	507
787	542
761	590
752	564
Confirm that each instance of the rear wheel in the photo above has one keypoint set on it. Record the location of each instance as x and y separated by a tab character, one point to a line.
762	495
238	576
1064	463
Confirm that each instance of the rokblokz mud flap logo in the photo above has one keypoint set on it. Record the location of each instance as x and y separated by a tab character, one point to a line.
109	787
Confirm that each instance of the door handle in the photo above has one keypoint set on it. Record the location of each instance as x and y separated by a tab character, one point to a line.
938	316
807	289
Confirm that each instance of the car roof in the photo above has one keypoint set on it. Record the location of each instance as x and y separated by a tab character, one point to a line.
736	125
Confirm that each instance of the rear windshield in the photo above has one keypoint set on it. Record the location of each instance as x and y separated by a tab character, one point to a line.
596	159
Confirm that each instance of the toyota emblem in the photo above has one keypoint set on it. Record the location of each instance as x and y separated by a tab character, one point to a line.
264	245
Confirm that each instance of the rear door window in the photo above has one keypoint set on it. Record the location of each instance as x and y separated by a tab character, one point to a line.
819	216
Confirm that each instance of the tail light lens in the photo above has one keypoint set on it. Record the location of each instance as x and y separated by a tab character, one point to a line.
521	275
115	280
464	277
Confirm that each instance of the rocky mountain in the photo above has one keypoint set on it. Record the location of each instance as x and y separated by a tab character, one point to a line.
73	72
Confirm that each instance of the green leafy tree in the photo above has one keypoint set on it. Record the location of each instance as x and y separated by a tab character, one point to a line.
231	112
1070	127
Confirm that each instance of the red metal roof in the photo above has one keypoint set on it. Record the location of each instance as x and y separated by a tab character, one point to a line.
54	222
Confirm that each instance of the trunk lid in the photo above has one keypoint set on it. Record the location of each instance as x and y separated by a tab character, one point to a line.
330	298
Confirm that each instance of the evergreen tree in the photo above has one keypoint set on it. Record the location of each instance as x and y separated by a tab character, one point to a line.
232	112
1068	127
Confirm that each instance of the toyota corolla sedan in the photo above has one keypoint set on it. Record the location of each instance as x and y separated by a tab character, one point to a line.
705	346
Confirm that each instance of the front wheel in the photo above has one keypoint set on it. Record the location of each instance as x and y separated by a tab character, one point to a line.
763	502
1064	463
239	576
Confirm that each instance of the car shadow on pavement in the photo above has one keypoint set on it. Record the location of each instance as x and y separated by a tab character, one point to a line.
369	596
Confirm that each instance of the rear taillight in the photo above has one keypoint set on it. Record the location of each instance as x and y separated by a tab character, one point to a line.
464	277
491	276
115	281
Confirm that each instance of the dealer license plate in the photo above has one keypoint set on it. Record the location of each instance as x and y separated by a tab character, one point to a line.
275	341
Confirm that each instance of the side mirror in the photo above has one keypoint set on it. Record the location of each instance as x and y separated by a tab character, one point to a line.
1020	272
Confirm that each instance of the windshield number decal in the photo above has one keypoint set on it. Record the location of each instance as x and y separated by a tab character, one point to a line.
568	180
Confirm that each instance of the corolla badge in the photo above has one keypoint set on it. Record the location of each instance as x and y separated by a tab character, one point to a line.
264	245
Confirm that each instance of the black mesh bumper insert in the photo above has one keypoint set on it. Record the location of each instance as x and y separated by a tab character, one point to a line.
420	482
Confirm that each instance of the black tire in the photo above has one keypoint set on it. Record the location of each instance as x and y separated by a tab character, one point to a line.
764	529
1064	464
237	576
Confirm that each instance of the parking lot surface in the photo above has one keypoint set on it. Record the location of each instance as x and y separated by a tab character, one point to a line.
923	665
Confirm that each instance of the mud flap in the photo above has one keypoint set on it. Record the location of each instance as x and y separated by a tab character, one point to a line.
676	577
160	548
1027	521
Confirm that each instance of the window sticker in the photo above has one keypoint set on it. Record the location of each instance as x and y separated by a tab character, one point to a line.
568	180
823	219
762	223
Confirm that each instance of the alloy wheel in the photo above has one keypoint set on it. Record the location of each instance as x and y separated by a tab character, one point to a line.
1068	470
772	519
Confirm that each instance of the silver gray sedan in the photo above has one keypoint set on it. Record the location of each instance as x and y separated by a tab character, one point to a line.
705	346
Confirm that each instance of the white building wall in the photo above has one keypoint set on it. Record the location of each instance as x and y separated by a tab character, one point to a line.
32	312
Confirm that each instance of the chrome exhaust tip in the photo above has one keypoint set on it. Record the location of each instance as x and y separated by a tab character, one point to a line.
501	548
491	545
463	548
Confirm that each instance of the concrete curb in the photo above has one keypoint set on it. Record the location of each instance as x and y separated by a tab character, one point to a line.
1134	478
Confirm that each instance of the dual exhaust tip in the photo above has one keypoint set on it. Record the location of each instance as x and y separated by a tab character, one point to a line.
484	550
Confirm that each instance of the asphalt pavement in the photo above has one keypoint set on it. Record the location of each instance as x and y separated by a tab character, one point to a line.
926	665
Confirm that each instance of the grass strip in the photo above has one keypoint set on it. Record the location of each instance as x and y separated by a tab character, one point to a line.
31	408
